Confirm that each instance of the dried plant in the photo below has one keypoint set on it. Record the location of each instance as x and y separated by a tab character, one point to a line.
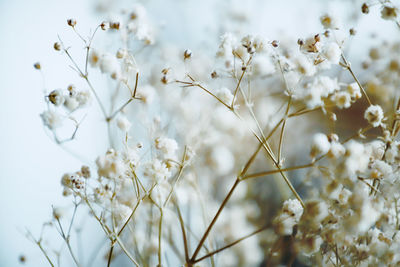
213	160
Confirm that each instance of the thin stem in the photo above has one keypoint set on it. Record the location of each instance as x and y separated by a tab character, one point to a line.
112	116
66	239
85	77
283	130
348	67
261	174
126	251
110	254
182	224
240	80
190	84
231	244
136	85
159	238
38	243
193	258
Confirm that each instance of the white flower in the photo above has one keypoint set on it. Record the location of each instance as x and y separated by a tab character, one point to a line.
305	65
147	94
71	103
320	145
356	158
382	167
321	88
56	97
332	52
123	123
58	213
337	150
51	119
228	44
167	146
374	115
329	21
354	90
389	13
342	99
110	165
94	58
225	95
83	98
263	66
121	212
293	208
109	64
157	170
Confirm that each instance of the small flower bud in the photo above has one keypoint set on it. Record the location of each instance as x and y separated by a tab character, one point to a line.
71	22
85	171
121	53
22	259
300	42
71	89
214	74
275	43
56	98
37	66
57	213
164	79
105	25
57	46
389	13
187	54
352	31
365	8
114	25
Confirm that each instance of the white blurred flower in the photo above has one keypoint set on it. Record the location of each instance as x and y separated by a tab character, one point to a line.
51	119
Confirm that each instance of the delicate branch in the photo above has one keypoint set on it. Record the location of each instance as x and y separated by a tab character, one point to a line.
261	174
231	244
348	67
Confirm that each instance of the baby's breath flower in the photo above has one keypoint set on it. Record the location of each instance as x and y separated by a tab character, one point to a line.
123	123
389	13
225	95
320	145
332	52
71	22
354	90
57	46
157	170
167	145
374	115
109	64
71	103
56	97
51	119
110	165
329	22
342	99
57	213
187	54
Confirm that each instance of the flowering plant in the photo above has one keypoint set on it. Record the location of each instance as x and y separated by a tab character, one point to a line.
195	138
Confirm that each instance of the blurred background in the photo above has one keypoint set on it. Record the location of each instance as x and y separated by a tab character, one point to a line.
31	164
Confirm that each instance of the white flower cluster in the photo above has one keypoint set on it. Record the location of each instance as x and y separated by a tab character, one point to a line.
198	135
